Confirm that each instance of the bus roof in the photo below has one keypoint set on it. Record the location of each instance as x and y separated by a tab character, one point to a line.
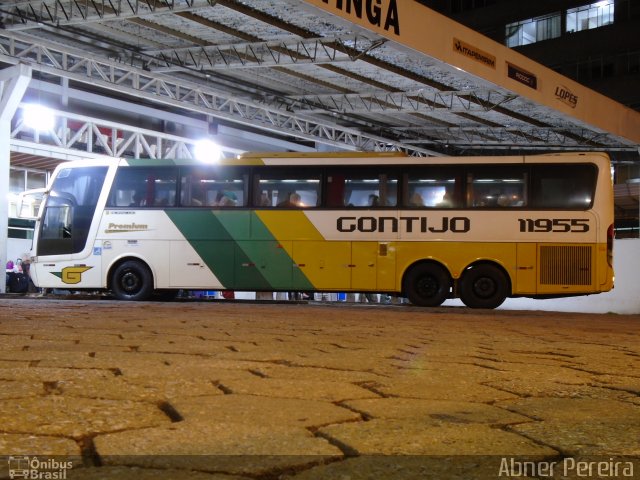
353	158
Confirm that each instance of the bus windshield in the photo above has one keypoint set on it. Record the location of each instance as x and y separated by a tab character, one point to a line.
69	209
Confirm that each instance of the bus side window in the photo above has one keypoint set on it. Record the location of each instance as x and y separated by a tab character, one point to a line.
143	186
165	185
213	187
366	188
285	188
563	186
503	186
432	187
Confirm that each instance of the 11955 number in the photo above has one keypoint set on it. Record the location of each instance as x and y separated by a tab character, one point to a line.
578	225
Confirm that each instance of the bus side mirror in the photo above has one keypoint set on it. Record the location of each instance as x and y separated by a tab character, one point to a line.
28	203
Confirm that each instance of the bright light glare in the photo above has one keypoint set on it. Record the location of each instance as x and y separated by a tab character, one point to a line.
38	117
207	151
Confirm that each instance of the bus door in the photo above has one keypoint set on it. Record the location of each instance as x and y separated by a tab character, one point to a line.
67	230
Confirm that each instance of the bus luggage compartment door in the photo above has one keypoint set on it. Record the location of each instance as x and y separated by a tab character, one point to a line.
526	268
364	256
327	265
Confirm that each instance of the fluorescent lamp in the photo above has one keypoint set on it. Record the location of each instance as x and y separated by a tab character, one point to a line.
207	151
38	117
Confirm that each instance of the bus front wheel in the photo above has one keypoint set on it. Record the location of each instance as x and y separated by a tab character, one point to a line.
131	280
484	286
427	285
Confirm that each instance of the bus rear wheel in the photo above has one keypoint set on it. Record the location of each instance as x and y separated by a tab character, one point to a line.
427	285
484	286
131	280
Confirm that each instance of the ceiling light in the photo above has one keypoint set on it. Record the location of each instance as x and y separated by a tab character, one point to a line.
207	151
38	117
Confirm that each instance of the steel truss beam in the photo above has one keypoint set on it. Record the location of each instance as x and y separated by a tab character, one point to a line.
26	15
80	133
425	101
523	137
78	65
261	54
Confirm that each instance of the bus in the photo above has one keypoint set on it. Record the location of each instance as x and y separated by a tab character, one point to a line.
429	229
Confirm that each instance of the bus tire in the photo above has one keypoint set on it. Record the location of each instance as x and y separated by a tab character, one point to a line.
132	280
427	284
484	286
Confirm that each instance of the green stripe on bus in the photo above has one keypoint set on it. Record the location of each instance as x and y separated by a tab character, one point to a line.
239	249
280	270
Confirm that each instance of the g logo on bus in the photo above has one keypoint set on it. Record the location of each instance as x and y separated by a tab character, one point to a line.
71	275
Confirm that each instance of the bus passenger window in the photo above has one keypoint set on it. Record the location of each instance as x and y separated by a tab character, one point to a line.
503	186
213	186
563	186
432	187
363	188
284	188
143	187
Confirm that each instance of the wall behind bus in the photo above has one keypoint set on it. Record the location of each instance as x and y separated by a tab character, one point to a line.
16	248
624	298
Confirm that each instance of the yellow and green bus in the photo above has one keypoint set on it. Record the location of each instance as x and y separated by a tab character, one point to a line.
476	228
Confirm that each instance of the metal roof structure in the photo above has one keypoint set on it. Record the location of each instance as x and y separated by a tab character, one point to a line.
352	75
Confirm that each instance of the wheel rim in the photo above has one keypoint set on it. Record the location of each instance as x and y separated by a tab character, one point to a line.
427	287
485	287
130	282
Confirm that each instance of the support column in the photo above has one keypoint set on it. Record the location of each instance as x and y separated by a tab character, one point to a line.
13	83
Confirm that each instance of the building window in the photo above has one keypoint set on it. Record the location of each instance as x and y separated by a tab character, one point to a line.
590	16
533	30
458	6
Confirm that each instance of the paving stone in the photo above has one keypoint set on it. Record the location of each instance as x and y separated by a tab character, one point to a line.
440	387
581	426
13	389
139	389
444	410
12	364
587	437
138	473
232	448
621	382
309	389
27	444
262	411
574	409
407	467
76	417
39	374
187	373
430	437
251	380
315	373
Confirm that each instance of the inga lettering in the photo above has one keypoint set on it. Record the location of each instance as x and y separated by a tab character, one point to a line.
377	12
404	224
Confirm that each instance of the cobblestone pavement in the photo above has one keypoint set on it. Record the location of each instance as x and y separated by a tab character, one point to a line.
219	390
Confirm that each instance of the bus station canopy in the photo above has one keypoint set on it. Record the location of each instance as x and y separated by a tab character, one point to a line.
347	74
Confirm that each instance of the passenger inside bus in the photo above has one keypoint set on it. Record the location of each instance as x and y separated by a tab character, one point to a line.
265	201
416	200
226	199
293	201
136	200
